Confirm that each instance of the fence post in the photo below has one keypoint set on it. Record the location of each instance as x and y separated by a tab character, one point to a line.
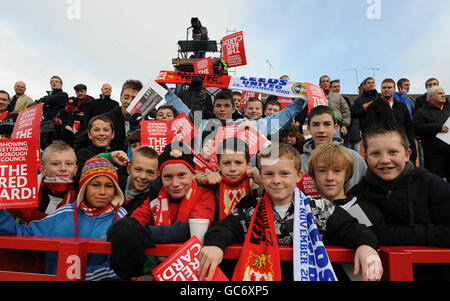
397	265
72	261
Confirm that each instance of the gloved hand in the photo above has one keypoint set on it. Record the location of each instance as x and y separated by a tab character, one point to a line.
196	83
135	119
128	241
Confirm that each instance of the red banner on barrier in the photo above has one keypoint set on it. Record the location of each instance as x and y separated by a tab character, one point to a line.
18	174
233	50
184	264
204	66
28	125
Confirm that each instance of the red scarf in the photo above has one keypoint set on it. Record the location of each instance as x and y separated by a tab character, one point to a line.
260	256
230	193
161	208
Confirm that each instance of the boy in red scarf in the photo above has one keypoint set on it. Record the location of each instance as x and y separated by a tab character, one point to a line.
165	213
261	225
233	180
58	168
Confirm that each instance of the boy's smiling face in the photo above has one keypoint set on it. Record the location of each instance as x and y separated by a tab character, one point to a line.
233	165
330	181
322	128
280	179
60	165
386	156
142	171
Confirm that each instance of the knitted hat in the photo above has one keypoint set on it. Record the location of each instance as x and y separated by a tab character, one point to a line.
98	166
177	152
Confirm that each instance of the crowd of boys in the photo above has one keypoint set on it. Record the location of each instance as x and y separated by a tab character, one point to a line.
97	181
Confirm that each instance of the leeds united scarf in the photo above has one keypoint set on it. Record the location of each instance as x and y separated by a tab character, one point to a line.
311	262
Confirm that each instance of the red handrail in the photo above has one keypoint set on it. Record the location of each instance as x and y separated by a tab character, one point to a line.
398	261
69	247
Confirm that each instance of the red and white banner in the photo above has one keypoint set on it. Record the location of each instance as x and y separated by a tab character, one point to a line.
233	50
204	66
18	173
308	186
246	96
28	125
253	139
157	134
316	96
184	264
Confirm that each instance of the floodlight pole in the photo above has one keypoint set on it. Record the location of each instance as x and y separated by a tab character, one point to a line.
357	80
270	68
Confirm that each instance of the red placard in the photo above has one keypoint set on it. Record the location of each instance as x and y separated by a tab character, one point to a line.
253	139
308	186
157	133
233	50
316	96
183	265
284	101
204	66
28	125
246	95
18	175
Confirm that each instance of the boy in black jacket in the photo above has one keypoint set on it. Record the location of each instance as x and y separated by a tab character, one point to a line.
406	205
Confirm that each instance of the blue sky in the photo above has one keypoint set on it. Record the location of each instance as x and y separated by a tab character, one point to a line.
113	41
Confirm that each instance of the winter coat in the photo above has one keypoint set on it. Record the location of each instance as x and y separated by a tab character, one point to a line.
360	106
54	103
428	122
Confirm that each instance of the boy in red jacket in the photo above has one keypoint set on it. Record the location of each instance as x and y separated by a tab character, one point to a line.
165	213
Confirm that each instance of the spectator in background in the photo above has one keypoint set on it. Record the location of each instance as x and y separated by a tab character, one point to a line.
430	120
78	111
386	109
105	103
4	101
19	101
403	86
55	101
340	107
359	107
353	138
273	106
422	100
239	113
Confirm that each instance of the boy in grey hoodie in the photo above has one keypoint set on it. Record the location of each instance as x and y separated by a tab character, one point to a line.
322	126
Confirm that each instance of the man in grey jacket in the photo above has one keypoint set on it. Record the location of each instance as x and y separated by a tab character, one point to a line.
322	126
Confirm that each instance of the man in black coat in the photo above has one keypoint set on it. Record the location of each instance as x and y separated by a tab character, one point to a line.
428	122
360	105
105	103
55	100
386	109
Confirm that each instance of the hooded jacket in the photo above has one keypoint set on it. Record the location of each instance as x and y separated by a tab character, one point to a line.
61	223
360	106
414	209
360	166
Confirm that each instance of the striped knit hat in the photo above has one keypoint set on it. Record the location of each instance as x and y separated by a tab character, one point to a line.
98	166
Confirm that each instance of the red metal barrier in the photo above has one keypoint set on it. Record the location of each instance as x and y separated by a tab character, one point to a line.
72	257
398	261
